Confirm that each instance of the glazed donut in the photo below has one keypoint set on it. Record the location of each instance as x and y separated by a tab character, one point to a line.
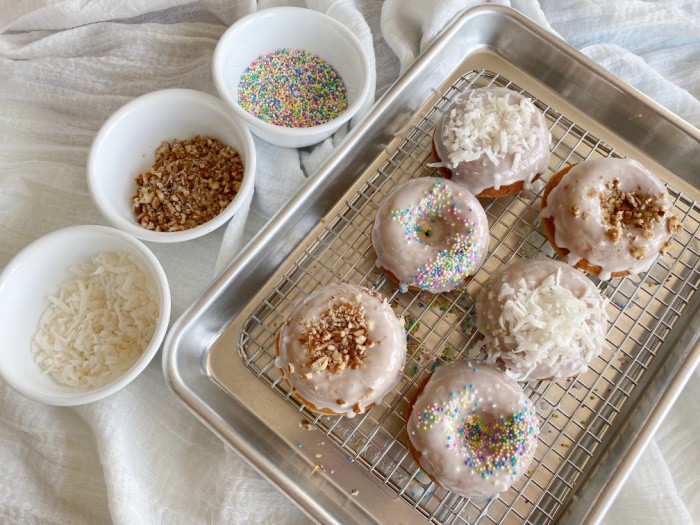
341	349
541	319
609	217
472	429
430	234
492	141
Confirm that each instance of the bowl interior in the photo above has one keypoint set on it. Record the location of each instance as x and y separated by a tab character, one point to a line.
290	28
25	284
126	146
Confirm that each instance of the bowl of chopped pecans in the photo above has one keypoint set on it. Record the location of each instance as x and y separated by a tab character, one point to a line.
171	166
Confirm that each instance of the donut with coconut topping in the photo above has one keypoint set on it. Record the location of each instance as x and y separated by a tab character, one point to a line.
341	349
472	429
492	141
430	234
609	217
542	319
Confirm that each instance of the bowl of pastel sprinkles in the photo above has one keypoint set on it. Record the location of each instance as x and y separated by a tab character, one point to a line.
293	75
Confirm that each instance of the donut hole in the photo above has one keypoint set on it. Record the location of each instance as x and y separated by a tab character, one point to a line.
494	442
478	431
434	231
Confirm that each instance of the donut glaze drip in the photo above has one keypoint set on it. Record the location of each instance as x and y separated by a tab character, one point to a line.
373	339
582	228
542	319
430	234
492	137
473	429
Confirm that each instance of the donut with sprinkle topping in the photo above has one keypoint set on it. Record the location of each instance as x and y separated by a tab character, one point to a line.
472	429
430	234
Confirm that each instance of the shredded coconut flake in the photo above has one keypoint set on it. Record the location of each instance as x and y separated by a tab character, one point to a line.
99	323
545	323
488	125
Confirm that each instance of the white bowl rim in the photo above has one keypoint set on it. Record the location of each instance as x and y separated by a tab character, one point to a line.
118	221
80	397
331	125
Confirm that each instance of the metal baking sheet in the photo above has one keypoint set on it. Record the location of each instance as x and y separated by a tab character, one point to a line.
219	356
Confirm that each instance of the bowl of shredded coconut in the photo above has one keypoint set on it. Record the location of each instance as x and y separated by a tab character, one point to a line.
83	310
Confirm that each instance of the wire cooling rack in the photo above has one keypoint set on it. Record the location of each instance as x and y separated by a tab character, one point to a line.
576	416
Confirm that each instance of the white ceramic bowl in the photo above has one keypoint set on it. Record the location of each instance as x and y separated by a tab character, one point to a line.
292	28
35	273
125	146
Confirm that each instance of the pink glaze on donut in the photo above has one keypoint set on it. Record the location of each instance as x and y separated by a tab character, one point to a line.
474	429
492	137
342	348
586	222
431	234
542	318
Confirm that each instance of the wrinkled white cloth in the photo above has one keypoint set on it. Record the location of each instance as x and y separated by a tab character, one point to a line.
139	456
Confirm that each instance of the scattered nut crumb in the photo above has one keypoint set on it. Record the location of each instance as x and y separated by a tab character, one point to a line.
674	225
614	234
359	408
354	492
306	425
638	252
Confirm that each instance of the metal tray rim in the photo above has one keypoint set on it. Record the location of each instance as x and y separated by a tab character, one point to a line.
187	389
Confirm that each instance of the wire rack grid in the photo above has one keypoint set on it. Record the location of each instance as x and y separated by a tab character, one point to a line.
576	416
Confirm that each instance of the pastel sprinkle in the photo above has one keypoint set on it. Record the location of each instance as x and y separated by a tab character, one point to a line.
458	258
487	446
292	88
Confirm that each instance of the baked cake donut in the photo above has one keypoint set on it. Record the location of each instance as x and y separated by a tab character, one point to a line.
472	429
341	349
430	234
492	141
541	319
609	217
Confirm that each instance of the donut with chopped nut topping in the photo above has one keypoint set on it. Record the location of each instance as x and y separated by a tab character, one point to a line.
607	216
493	141
341	350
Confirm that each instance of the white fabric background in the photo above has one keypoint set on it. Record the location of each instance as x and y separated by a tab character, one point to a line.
139	456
